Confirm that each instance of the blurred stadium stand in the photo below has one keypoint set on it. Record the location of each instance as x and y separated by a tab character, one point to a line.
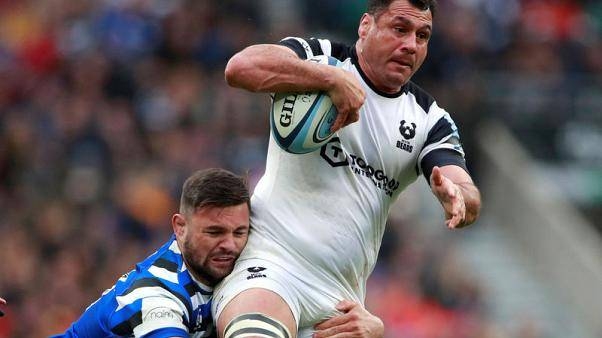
560	248
106	106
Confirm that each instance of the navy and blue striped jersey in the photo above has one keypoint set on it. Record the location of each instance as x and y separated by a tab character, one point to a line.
157	299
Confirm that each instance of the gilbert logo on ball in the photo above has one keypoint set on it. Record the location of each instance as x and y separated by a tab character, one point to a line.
301	122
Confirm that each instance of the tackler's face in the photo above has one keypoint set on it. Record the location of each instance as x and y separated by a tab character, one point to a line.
393	44
211	239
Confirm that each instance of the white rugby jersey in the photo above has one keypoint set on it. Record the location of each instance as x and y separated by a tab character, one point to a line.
323	214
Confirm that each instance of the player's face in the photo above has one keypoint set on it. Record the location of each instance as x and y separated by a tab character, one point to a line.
393	44
211	239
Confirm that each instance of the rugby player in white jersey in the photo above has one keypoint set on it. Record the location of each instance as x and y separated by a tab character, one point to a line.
318	218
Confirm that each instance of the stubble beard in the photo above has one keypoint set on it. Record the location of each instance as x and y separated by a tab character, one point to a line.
201	270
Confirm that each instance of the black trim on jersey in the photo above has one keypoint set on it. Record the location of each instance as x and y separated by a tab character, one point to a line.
314	44
126	327
341	51
424	99
296	46
166	264
193	288
356	62
441	129
149	282
439	158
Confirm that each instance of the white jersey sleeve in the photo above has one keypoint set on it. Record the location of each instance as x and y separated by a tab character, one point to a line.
442	145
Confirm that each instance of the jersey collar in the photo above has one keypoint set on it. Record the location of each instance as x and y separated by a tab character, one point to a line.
356	62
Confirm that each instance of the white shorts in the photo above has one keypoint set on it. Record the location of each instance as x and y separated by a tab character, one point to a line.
309	303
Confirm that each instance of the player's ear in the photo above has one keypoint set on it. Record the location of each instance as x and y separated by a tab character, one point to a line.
178	223
364	26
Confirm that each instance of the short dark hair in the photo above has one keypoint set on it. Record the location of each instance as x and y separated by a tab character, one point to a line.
376	6
213	187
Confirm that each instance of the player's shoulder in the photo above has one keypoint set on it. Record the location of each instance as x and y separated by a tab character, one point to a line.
307	48
162	270
421	96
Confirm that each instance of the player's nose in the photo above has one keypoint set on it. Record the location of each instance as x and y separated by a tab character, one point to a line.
410	45
228	242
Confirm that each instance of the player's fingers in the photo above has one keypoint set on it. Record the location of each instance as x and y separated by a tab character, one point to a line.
339	121
436	177
446	193
332	322
454	217
352	117
449	191
346	305
457	221
458	213
453	222
340	331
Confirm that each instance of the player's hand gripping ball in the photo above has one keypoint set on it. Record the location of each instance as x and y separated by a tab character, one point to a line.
301	122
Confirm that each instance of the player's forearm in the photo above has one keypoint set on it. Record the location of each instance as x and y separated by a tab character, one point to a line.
273	68
472	201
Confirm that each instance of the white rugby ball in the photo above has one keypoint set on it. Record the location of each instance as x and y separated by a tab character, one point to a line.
301	122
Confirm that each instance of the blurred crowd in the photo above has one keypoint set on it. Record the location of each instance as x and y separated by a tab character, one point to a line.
107	105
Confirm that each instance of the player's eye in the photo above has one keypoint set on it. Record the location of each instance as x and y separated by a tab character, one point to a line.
240	233
423	36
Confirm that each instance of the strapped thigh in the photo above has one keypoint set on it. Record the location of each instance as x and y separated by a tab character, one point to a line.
255	325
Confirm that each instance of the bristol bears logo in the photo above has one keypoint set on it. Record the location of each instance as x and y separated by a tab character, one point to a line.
256	272
408	131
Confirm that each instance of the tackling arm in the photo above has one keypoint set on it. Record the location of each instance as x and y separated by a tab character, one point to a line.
354	321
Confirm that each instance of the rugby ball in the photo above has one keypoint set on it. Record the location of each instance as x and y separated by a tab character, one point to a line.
301	122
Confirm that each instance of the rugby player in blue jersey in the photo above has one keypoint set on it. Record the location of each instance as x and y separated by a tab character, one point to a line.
169	293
